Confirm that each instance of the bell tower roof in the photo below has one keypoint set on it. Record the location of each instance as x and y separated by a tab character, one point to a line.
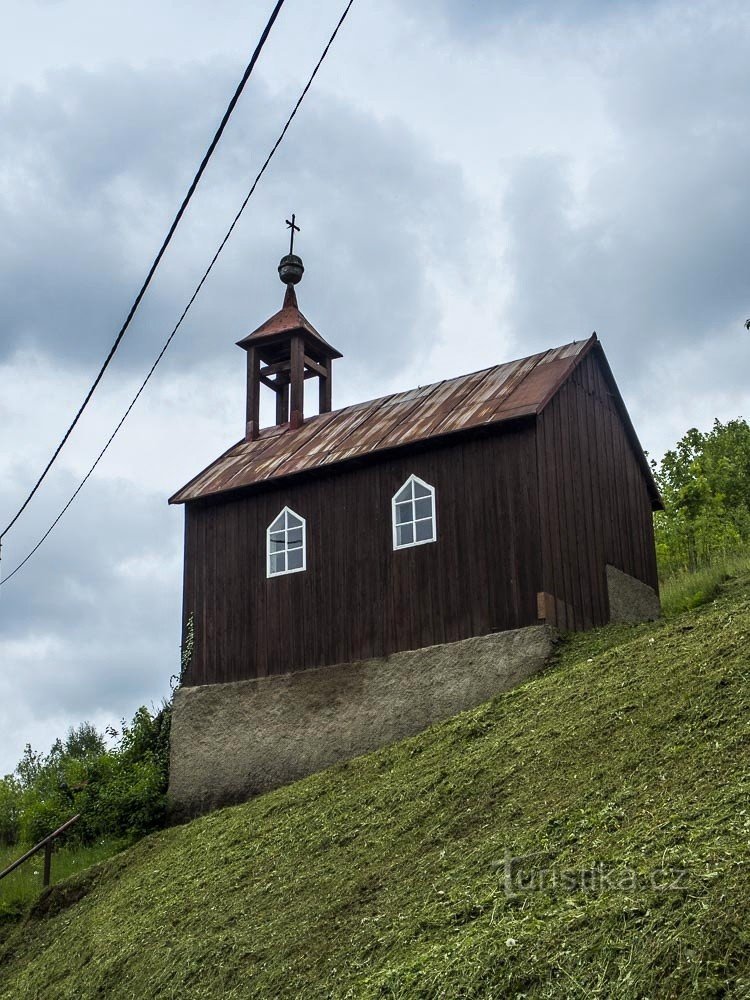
287	321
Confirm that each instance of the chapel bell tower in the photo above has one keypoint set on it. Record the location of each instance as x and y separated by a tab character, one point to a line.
284	352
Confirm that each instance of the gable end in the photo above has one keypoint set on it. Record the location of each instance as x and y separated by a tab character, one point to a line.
594	353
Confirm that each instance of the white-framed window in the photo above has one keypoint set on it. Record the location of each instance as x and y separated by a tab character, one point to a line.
414	521
286	544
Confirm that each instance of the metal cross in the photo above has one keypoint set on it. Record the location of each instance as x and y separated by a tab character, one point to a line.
294	229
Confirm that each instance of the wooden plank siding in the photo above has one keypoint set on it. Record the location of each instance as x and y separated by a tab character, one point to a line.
528	516
595	506
358	598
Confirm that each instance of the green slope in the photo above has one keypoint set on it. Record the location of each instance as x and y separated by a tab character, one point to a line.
386	877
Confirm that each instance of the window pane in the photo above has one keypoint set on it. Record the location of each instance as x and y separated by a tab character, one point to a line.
404	512
424	507
292	521
278	524
294	538
420	491
405	493
424	530
278	563
294	559
277	541
405	534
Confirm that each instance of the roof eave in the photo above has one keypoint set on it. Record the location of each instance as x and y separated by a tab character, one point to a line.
311	336
178	498
510	419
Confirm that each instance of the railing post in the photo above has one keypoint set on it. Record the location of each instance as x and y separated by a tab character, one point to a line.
47	864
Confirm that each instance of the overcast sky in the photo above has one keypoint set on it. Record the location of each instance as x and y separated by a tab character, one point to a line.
474	181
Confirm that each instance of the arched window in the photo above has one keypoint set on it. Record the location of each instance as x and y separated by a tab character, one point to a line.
286	544
414	514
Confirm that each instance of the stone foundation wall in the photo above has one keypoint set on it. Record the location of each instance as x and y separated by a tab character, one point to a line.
232	741
630	600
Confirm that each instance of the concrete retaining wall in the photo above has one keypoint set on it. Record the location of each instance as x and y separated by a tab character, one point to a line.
630	600
232	741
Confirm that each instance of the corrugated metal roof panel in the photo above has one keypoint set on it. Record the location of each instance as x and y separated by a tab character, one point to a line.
504	392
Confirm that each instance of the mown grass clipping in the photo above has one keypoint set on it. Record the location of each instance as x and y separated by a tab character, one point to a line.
585	835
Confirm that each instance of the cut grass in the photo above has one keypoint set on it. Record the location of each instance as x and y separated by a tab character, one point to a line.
387	876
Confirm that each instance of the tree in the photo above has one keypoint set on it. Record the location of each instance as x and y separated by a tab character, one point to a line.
705	484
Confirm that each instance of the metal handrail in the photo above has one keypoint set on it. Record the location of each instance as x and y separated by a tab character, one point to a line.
47	845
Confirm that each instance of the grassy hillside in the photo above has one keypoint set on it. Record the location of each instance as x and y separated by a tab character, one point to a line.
622	777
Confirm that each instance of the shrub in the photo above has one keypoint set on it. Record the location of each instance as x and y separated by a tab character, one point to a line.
119	791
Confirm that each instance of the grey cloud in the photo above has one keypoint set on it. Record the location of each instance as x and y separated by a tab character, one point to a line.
110	523
475	17
653	255
89	161
96	164
91	625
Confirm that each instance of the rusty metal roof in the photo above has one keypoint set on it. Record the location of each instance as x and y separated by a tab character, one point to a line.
288	320
509	391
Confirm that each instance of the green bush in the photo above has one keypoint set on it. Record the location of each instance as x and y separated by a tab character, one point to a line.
40	816
119	791
122	798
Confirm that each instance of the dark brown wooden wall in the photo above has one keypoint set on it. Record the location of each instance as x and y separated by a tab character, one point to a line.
594	503
358	598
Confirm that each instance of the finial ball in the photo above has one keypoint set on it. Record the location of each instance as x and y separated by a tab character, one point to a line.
291	269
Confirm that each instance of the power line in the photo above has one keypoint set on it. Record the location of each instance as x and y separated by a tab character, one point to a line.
152	270
192	298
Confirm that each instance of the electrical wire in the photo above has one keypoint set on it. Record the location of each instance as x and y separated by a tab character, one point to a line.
192	298
152	270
